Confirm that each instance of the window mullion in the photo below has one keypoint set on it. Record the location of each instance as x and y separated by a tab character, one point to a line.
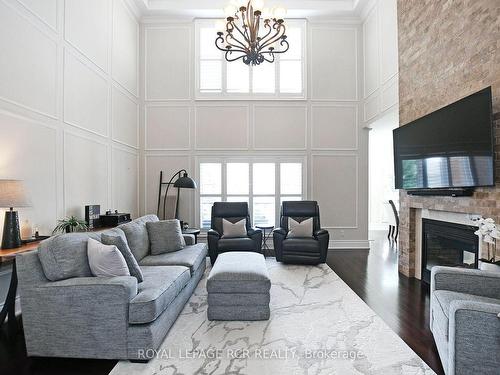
224	181
277	191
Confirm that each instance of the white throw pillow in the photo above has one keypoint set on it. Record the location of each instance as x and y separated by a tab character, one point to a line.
302	229
106	260
230	230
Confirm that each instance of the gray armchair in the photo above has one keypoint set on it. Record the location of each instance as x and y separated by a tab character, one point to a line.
465	319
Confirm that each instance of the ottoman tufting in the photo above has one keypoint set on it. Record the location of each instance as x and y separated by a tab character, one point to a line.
239	287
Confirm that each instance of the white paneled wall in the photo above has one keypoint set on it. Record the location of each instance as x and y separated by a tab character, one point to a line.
325	129
380	56
69	106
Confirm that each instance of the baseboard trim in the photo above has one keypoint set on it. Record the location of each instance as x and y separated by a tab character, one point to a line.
349	245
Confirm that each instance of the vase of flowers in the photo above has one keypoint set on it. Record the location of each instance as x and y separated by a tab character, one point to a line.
489	233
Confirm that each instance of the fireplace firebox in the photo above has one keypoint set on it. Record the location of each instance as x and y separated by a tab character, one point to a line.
447	244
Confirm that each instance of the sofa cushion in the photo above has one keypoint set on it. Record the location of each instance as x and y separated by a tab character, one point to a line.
239	272
190	256
160	287
442	301
65	255
301	246
165	236
137	235
121	243
238	244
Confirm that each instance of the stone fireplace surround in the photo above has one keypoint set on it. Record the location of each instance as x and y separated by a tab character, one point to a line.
447	50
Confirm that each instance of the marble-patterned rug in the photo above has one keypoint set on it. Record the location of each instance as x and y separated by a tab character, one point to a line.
318	325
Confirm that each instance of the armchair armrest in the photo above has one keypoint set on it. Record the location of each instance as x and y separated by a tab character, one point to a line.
463	280
323	237
320	232
253	231
213	238
256	236
474	337
279	235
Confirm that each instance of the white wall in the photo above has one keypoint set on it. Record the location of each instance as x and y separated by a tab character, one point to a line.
380	56
69	107
325	129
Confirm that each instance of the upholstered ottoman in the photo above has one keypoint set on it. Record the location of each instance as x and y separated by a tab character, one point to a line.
239	287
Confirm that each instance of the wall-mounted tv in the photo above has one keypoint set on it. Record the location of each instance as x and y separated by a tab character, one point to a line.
451	148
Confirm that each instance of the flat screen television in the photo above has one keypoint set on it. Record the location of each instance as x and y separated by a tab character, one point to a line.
451	148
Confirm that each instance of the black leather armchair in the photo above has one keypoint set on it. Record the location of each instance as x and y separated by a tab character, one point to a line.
300	250
232	211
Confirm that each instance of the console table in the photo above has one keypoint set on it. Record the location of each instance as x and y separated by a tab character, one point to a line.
9	307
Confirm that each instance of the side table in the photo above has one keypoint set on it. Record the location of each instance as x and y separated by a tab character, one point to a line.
267	230
194	231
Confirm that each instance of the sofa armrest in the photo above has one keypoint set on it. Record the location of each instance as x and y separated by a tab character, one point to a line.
463	280
474	337
279	235
189	239
70	312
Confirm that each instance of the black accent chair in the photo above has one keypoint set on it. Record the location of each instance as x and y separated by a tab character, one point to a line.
307	250
232	211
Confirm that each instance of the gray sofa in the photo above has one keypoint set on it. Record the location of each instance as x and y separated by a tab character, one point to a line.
114	318
465	319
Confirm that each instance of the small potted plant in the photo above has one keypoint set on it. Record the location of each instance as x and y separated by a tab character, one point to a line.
489	233
69	225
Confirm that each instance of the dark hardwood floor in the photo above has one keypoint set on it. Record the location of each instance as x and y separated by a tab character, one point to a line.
401	302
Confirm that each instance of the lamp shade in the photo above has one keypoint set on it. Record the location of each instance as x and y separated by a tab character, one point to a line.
185	182
13	194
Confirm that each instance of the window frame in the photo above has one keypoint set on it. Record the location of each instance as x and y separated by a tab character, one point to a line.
276	160
224	95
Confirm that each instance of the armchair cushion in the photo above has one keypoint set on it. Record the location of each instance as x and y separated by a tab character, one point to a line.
468	281
160	287
190	256
234	228
443	300
302	246
239	244
300	228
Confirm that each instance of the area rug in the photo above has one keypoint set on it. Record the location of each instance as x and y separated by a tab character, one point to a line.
318	325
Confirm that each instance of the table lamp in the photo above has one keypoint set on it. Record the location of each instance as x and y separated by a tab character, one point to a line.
12	194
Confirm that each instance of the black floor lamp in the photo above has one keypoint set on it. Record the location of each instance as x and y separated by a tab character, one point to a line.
12	194
183	182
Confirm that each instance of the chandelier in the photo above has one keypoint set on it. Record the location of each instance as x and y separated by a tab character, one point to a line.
251	34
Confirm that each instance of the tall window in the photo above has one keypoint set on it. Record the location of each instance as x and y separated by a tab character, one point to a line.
217	78
262	184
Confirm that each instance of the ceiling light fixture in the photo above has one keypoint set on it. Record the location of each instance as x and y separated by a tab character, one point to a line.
251	34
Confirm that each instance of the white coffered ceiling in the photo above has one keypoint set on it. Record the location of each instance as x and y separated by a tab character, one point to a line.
213	8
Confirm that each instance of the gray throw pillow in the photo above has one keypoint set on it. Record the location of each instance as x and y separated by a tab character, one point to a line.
106	260
303	228
122	245
165	236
